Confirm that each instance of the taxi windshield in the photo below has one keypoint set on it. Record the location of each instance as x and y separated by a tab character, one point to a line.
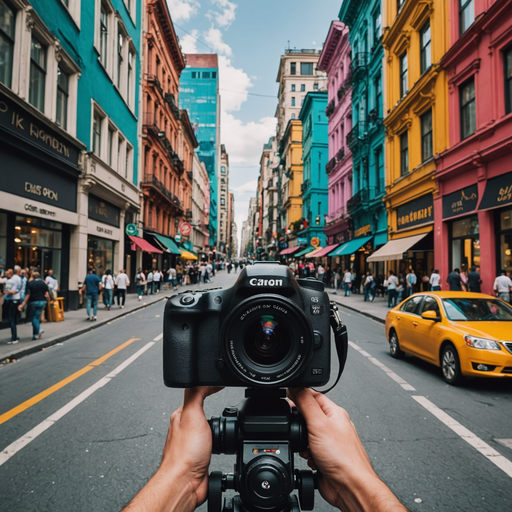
477	310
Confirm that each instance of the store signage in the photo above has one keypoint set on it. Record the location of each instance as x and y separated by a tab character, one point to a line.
315	241
185	228
103	211
105	231
131	229
177	238
302	241
463	201
42	211
23	124
498	192
414	213
363	231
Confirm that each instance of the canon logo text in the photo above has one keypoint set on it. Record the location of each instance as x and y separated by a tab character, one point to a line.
266	282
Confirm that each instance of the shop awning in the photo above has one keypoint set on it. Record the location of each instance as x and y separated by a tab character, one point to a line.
289	250
326	250
350	247
304	251
314	253
168	243
187	255
143	245
394	249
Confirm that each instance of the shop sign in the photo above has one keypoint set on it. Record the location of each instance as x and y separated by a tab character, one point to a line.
498	192
363	231
131	229
302	241
463	201
30	208
315	241
185	228
23	124
177	238
415	213
103	211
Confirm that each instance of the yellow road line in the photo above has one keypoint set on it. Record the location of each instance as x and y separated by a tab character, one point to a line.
34	400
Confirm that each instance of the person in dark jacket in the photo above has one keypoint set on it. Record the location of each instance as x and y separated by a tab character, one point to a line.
37	296
474	281
455	281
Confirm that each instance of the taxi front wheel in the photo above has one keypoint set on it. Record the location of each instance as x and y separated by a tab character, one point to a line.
450	365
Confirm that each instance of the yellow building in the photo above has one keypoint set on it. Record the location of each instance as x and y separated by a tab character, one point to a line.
416	89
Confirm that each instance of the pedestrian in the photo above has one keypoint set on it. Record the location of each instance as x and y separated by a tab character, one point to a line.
157	280
140	280
455	282
108	288
435	281
347	282
503	286
236	266
474	280
368	283
53	285
150	282
464	279
92	286
192	273
202	272
321	273
173	278
353	287
392	289
122	283
12	292
229	267
179	271
209	271
37	297
410	281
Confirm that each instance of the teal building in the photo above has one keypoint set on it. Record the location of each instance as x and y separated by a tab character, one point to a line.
199	95
315	154
366	136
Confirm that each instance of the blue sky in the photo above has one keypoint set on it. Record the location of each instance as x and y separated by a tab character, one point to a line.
249	36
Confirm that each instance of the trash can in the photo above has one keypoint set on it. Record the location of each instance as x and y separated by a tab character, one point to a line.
56	310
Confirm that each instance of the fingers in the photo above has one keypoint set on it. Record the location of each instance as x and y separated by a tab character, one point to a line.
194	398
307	405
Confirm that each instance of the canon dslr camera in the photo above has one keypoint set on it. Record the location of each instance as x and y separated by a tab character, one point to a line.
268	330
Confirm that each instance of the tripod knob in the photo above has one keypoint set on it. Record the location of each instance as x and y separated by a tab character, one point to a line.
215	490
306	484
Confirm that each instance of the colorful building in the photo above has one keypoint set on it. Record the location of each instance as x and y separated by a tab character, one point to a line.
223	207
473	210
417	130
365	133
335	60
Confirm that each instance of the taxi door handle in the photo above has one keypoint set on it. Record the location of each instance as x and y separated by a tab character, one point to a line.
415	324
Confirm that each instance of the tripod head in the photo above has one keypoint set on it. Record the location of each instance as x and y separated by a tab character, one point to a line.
264	432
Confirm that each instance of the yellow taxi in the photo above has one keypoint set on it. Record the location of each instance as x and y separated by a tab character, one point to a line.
466	334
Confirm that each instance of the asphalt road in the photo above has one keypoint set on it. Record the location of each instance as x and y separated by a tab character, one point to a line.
91	442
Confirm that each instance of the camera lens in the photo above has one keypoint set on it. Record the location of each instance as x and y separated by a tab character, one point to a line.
266	341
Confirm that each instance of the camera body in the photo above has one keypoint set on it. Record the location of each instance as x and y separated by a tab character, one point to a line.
268	330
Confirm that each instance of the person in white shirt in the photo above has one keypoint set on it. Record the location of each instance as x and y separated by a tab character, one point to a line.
321	273
435	281
347	282
209	269
122	283
12	292
157	280
503	286
368	282
108	288
173	278
53	284
392	286
150	282
140	279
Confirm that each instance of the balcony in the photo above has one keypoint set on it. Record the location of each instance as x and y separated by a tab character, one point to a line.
171	101
188	214
358	134
340	155
341	92
304	187
365	195
149	122
330	109
358	65
335	216
178	163
189	175
153	80
331	164
150	180
166	143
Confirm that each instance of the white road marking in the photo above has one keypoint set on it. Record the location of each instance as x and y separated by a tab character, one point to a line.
404	384
487	451
505	442
20	443
159	337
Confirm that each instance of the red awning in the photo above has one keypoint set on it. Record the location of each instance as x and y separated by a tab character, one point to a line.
326	250
290	250
142	244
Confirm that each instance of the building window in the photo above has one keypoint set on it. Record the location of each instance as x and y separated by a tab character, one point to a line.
306	68
130	77
293	68
206	74
508	80
61	117
120	43
7	19
378	96
426	136
293	101
96	134
466	15
110	147
223	170
128	163
467	108
315	87
103	36
425	51
37	74
403	75
399	4
120	142
194	74
302	87
293	87
214	74
379	181
404	153
293	116
377	25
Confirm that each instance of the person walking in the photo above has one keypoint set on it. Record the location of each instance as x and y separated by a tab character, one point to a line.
236	266
179	271
392	289
140	280
435	281
410	281
455	282
474	280
347	282
12	292
37	297
368	283
92	287
321	273
202	272
122	283
209	271
503	286
108	288
354	288
173	278
150	282
53	285
157	280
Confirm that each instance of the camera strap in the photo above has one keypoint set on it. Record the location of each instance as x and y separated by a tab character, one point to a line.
340	340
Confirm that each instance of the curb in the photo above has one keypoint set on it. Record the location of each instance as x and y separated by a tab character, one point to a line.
65	337
369	315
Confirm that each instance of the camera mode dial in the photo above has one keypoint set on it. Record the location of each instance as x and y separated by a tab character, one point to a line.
186	300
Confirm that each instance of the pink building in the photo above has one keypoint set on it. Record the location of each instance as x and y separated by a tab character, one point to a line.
473	211
335	61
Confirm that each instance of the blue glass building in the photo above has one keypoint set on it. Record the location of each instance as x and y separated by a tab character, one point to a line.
199	95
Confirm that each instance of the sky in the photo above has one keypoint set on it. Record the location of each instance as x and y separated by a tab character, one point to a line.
249	37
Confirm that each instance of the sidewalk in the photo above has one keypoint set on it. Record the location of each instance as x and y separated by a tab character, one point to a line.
76	323
376	310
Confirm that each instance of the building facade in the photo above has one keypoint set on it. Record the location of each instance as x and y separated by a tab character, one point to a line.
473	210
365	133
199	95
224	227
200	206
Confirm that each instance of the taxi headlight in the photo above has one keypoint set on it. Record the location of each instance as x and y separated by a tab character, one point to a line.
482	343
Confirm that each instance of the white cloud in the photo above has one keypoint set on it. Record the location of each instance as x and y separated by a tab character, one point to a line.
214	39
183	10
189	43
250	187
227	14
234	85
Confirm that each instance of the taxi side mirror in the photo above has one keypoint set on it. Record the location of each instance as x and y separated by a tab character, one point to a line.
430	315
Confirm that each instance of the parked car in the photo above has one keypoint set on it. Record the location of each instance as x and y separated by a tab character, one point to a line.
466	334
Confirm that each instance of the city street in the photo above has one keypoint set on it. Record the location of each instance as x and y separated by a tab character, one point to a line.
95	415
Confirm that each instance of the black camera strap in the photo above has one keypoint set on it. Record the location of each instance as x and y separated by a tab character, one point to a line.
340	340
